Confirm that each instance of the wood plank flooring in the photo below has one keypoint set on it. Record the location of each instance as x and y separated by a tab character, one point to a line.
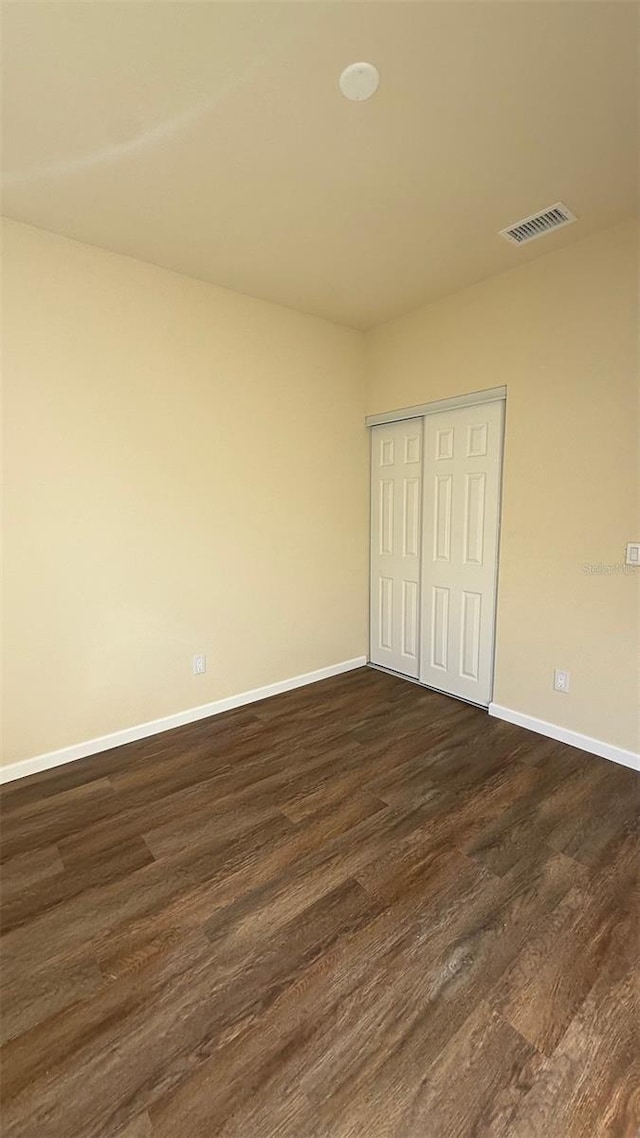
356	910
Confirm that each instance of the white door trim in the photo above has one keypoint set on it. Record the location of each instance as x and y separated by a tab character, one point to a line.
490	395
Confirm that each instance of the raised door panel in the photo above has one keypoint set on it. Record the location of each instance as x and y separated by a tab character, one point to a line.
411	518
474	510
410	620
385	616
442	517
439	641
470	625
386	499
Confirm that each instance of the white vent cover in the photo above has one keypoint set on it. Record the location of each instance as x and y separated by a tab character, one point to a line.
554	217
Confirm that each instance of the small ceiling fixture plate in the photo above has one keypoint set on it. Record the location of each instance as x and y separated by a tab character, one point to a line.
553	217
359	81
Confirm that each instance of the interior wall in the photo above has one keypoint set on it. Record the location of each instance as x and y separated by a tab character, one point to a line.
562	334
185	472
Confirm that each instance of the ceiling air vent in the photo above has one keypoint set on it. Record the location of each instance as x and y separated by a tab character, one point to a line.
554	217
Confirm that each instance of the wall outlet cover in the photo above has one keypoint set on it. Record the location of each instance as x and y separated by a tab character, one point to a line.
560	680
199	664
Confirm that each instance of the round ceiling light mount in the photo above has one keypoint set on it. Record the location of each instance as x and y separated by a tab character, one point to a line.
359	81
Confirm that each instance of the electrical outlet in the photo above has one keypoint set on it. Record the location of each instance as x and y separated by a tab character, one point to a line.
199	664
560	680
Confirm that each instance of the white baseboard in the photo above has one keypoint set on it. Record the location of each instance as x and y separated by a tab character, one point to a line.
143	730
573	738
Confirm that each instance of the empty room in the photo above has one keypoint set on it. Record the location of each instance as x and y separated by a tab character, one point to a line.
321	569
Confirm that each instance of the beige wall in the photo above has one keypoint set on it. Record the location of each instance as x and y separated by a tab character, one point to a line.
562	334
185	472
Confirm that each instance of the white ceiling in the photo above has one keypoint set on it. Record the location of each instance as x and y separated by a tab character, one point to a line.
211	138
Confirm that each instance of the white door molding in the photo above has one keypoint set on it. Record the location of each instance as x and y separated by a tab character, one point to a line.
489	395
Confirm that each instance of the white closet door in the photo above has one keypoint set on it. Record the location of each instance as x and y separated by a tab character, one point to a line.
396	470
462	465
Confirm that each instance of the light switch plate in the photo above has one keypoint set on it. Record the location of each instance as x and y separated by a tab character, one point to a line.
633	553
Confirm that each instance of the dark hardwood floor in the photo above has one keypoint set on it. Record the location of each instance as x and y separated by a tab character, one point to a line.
357	910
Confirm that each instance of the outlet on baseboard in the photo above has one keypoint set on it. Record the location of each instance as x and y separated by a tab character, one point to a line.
199	664
560	680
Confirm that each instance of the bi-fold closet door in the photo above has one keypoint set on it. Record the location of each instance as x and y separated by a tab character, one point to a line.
435	499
